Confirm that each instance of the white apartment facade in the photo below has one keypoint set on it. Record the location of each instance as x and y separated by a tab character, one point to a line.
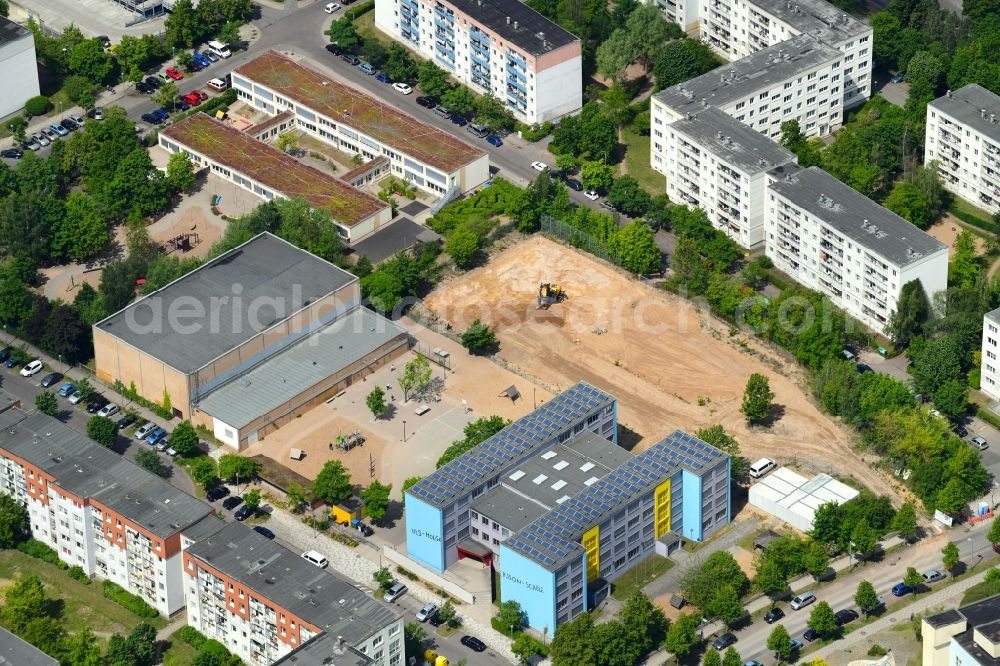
800	79
963	137
357	124
96	509
498	47
989	372
719	164
263	602
18	67
831	238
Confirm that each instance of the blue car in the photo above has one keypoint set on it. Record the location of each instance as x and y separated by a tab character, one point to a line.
494	140
459	120
58	129
161	114
201	59
67	390
901	590
155	436
382	77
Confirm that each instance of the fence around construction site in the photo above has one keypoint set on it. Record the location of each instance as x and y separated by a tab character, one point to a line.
579	239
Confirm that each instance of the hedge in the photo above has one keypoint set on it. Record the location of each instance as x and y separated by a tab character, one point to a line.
191	636
975	221
360	10
127	600
36	548
37	105
77	573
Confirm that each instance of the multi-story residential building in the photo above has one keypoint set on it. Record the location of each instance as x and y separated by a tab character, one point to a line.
561	564
967	636
684	13
263	601
963	137
989	375
738	28
18	67
502	48
359	124
798	79
834	239
96	509
715	162
437	507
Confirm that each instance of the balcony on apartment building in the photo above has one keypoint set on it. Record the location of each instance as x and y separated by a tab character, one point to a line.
793	263
873	314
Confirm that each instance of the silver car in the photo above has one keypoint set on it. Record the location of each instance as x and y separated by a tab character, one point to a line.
933	576
143	431
979	443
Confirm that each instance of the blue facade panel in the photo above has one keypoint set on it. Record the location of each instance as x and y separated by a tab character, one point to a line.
692	505
531	585
424	533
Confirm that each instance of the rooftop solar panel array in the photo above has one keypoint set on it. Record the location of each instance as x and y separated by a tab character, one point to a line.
556	535
513	443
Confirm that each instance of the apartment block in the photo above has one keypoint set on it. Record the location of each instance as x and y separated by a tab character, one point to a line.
966	636
96	509
831	238
989	376
684	13
268	605
502	48
737	29
963	137
715	162
800	79
358	124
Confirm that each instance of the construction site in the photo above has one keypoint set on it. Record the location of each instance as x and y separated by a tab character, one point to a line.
562	316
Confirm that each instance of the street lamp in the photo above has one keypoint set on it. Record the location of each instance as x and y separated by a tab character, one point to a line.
511	632
404	430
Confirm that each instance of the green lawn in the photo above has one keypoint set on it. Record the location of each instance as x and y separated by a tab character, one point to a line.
365	25
640	575
83	606
637	163
964	206
179	653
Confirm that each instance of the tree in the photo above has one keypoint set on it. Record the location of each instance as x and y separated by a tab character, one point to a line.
682	636
780	642
414	638
680	60
815	559
46	403
711	658
912	310
717	436
459	100
597	176
905	520
416	375
479	337
383	577
510	614
964	269
81	649
24	601
166	95
143	640
448	614
287	142
907	202
615	54
333	483
182	25
180	172
951	399
251	499
399	65
234	467
376	499
14	525
953	497
494	113
567	162
432	79
376	402
82	232
912	578
725	604
864	537
645	619
149	461
204	472
229	34
757	397
732	657
637	249
184	438
866	597
770	579
89	59
527	648
994	534
297	496
462	245
627	196
950	557
383	290
573	642
409	483
102	430
821	620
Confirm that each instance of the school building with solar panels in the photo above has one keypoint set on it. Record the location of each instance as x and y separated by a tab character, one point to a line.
556	506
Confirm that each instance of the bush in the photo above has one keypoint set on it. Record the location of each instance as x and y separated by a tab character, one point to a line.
37	105
39	550
134	396
127	600
360	10
191	636
77	573
876	651
535	132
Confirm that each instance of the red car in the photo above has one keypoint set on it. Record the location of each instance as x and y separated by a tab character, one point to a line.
174	74
194	98
201	95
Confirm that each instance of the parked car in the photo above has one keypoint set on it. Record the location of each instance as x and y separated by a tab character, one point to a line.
69	124
195	66
335	49
426	102
473	643
315	558
263	531
980	443
179	103
810	635
192	98
59	129
50	379
429	609
961	431
442	111
149	118
724	641
350	59
382	77
574	184
216	84
125	421
863	368
211	56
154	437
41	139
76	398
96	405
800	601
897	77
174	74
331	7
216	493
154	82
402	88
539	166
201	59
365	529
5	354
394	591
50	134
797	645
143	431
77	119
244	513
933	576
773	615
12	362
845	616
30	144
752	662
144	87
98	113
66	390
459	120
232	502
494	140
109	409
163	444
31	369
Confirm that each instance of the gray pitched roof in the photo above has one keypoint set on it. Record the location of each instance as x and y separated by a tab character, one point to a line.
974	106
856	216
534	33
758	71
16	652
88	470
315	595
317	358
731	141
266	272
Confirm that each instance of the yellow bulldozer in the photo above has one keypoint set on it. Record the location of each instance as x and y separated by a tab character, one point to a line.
548	294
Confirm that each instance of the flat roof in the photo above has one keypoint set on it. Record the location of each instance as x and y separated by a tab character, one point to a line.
86	469
967	639
266	271
856	216
401	235
994	316
315	595
274	168
517	441
11	32
18	652
554	539
325	650
944	618
758	71
983	612
814	15
966	105
799	495
319	357
731	141
355	109
534	33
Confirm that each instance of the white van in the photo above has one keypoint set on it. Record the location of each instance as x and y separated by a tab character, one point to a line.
219	49
315	558
761	467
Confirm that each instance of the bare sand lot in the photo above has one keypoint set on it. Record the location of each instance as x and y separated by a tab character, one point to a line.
656	352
